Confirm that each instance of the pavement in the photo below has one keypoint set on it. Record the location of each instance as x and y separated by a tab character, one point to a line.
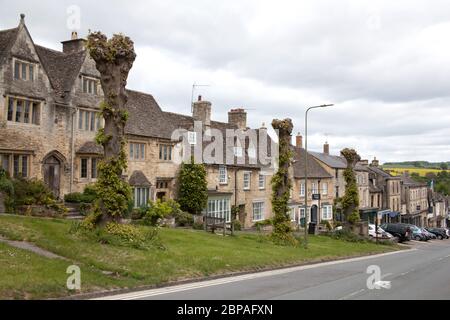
420	273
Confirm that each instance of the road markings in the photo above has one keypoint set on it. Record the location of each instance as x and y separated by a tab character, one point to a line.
352	294
216	282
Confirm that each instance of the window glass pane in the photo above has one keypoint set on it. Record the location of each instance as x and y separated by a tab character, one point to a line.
93	168
17	70
98	121
24	71
80	119
31	72
10	109
95	87
86	120
26	113
92	121
142	151
84	165
136	151
131	151
170	152
36	113
24	166
19	111
16	165
4	162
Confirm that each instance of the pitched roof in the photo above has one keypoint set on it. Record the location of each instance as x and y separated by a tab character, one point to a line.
315	170
7	38
335	162
408	181
90	147
380	172
62	68
138	179
146	117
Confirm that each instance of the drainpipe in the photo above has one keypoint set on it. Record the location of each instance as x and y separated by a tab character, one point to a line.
72	146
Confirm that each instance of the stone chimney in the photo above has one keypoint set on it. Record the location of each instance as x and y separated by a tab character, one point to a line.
22	18
201	111
375	162
364	163
74	44
238	117
299	140
326	148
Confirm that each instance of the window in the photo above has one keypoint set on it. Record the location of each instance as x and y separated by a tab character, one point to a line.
23	111
302	189
89	120
302	216
16	164
141	197
262	181
137	151
324	189
247	180
165	152
314	188
292	214
192	137
162	184
88	168
258	211
23	70
84	168
327	213
219	208
90	85
223	176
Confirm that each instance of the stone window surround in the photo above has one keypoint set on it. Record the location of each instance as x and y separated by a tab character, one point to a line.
88	168
98	123
24	98
90	80
329	212
223	175
20	154
262	182
139	144
27	72
262	205
249	175
169	152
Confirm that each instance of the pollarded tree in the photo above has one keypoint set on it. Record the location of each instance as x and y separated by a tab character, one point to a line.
350	200
114	59
282	184
193	188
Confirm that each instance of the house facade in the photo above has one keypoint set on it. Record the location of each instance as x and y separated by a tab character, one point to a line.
49	117
415	206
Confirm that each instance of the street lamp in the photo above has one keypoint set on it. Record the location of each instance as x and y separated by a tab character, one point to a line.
306	169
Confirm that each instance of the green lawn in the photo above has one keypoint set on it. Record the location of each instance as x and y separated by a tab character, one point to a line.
189	254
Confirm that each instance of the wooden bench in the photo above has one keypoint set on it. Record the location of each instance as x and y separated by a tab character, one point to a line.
214	223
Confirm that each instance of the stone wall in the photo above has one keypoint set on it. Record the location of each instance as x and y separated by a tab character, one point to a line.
2	203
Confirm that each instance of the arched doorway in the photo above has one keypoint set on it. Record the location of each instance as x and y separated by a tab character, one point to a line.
314	210
52	165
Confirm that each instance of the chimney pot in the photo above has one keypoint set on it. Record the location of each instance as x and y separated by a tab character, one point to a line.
199	98
299	140
74	35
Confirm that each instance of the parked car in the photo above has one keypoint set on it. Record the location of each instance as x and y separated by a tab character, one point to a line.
382	235
438	232
430	235
402	231
417	233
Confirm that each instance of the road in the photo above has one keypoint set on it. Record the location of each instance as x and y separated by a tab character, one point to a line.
420	273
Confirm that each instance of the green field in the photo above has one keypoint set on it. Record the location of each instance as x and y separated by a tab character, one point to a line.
189	254
396	171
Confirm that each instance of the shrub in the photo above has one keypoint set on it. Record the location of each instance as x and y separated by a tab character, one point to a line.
197	226
156	211
28	192
237	225
260	224
88	196
184	219
346	235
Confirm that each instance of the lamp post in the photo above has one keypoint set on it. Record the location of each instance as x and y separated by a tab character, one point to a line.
306	169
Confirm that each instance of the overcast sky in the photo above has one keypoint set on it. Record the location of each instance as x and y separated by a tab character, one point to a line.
385	65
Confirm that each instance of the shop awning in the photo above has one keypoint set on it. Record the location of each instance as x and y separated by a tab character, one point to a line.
391	214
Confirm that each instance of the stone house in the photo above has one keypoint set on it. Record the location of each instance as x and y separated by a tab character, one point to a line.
49	116
335	166
390	187
439	204
320	195
415	206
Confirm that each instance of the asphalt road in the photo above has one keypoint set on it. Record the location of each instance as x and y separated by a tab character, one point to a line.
420	273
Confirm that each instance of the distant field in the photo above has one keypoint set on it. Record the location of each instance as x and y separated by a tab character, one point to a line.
421	171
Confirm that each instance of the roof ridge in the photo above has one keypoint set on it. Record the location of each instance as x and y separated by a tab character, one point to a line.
9	30
141	92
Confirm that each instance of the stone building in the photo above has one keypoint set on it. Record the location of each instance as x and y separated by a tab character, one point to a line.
49	116
320	195
415	206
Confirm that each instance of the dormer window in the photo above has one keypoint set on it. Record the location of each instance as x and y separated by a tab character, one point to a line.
24	70
90	85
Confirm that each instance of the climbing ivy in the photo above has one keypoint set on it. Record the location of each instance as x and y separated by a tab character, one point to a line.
282	233
350	200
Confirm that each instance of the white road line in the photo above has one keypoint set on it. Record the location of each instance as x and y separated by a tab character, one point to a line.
352	294
209	283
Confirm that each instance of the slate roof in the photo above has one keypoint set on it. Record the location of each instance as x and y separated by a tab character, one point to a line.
335	162
380	172
410	182
138	179
315	170
7	38
62	68
90	147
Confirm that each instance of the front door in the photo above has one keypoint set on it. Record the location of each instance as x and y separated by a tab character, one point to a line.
52	170
314	213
